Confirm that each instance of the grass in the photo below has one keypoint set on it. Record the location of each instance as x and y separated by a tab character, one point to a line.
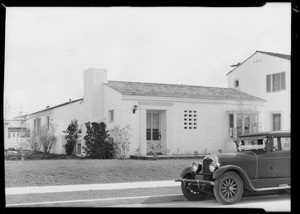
87	171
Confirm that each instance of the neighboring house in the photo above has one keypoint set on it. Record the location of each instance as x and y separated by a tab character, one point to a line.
61	116
14	132
266	75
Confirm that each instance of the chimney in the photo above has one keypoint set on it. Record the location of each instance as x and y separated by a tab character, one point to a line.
93	85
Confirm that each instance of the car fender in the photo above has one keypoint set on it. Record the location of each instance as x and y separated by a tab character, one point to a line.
186	171
221	170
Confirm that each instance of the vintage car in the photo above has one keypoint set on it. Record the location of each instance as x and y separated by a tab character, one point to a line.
261	163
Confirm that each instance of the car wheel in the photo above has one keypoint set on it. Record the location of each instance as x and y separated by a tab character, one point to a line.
191	192
229	188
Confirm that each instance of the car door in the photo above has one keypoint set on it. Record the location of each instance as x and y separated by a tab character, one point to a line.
264	164
281	157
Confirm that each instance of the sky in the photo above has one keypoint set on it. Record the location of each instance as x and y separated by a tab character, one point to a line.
48	48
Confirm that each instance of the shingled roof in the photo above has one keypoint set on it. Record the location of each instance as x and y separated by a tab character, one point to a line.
179	91
284	56
53	107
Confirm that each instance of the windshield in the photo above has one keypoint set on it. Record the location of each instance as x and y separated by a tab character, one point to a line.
252	144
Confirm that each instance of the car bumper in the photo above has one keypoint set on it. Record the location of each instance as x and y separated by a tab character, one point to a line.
195	181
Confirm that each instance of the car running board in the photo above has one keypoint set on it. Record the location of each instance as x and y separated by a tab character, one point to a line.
271	188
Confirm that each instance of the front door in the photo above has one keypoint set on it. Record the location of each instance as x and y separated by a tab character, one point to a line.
153	133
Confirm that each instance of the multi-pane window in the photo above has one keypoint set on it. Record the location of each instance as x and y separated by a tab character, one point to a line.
190	119
276	122
276	82
153	127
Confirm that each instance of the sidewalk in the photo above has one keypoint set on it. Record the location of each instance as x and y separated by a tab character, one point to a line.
95	195
89	187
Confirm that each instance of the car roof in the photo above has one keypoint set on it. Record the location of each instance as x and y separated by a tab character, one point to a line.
264	134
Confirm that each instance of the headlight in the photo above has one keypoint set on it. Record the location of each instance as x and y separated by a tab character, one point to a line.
212	167
196	167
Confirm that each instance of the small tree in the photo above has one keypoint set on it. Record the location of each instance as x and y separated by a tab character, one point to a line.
98	143
33	141
47	137
121	138
71	137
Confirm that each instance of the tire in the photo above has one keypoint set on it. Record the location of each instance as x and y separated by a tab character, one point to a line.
192	193
228	188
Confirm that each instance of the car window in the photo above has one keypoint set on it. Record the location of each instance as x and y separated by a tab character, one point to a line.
281	143
286	143
252	144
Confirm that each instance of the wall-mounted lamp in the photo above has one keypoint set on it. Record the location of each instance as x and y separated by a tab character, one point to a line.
135	107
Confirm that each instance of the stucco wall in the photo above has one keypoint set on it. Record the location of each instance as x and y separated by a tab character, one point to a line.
61	118
212	130
252	79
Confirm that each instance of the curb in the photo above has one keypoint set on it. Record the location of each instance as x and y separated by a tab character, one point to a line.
104	202
147	200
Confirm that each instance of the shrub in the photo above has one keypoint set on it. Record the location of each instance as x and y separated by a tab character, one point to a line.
47	137
71	137
98	143
121	138
33	141
29	155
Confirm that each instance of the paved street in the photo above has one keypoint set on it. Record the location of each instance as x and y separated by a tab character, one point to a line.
272	203
132	194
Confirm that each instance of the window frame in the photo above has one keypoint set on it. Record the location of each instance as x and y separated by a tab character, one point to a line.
280	79
236	83
111	116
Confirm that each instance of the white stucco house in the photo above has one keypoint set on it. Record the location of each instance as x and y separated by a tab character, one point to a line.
268	76
61	116
163	118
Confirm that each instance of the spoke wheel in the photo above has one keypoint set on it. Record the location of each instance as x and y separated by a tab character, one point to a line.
228	189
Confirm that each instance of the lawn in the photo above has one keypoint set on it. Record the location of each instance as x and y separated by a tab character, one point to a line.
86	171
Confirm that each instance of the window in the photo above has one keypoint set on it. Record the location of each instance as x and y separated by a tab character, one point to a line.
275	82
231	125
247	125
153	127
37	125
276	119
281	143
111	116
9	136
48	121
286	143
236	83
192	116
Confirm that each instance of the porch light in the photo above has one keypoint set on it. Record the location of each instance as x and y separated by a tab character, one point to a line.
135	107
